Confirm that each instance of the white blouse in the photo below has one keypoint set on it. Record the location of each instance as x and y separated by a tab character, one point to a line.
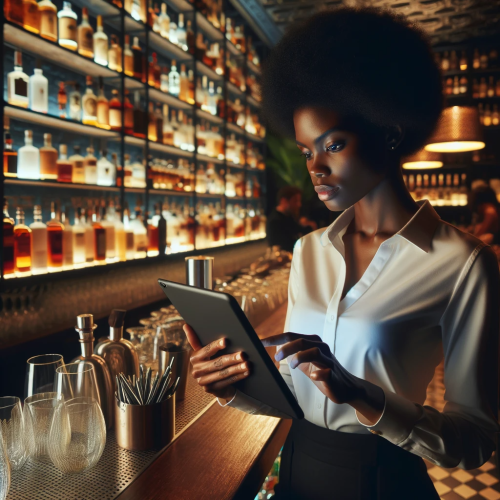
430	290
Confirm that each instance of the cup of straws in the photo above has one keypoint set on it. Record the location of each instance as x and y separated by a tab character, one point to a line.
145	409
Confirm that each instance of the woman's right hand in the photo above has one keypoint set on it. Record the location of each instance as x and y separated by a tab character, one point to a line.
216	375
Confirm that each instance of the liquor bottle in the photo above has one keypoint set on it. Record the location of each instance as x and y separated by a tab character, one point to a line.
90	165
159	123
172	35
483	60
139	173
140	233
38	90
106	171
22	244
164	22
493	58
152	229
174	80
48	159
120	237
67	27
491	87
79	256
115	112
212	99
99	237
463	85
154	78
445	62
119	354
31	16
55	240
139	117
102	108
28	166
152	123
62	99
115	55
128	114
48	20
129	235
78	162
154	20
463	61
483	87
495	117
38	242
109	228
17	83
239	41
75	103
137	58
190	38
127	171
8	240
191	87
85	36
182	34
456	86
100	44
9	157
168	131
68	239
85	219
89	104
64	166
164	80
128	56
476	59
14	11
487	116
183	84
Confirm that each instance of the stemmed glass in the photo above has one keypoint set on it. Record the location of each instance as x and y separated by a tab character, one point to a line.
40	373
12	429
78	432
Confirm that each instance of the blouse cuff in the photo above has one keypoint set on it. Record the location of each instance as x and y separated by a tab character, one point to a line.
397	420
243	402
229	402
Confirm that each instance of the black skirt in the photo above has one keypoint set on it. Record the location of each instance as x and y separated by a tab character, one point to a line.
319	463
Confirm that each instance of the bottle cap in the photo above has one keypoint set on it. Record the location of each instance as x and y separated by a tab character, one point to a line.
85	322
28	134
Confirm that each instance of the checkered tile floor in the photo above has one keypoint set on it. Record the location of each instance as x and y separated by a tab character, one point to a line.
457	484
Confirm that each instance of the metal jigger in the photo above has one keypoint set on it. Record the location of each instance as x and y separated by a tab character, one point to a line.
199	271
85	328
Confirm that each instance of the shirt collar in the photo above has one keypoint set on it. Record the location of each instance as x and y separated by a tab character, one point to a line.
419	230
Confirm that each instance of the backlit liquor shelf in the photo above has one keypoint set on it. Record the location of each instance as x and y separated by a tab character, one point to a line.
128	134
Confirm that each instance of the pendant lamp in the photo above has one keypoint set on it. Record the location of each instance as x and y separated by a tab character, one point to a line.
422	159
458	130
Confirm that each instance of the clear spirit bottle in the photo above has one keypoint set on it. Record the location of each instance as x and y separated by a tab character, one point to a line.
78	240
39	90
174	86
17	83
106	171
38	242
75	103
100	44
28	166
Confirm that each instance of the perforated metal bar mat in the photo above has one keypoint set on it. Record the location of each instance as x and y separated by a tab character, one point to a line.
116	469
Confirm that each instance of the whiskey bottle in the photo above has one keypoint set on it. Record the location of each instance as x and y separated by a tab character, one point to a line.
495	118
85	220
128	114
85	36
64	166
109	227
17	83
120	237
68	240
115	55
79	257
100	44
62	99
137	59
168	131
39	242
463	61
139	117
190	38
152	123
31	16
164	22
89	104
487	116
28	157
48	20
129	235
128	56
115	112
22	244
8	240
48	159
491	87
475	59
99	237
78	162
38	90
13	11
90	167
102	108
55	230
67	27
9	157
463	85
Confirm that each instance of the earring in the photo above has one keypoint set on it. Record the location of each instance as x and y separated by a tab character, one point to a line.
393	147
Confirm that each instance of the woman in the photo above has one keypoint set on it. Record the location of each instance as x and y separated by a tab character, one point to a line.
378	297
485	209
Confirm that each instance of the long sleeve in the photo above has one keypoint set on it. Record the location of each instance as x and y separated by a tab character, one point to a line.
248	404
463	434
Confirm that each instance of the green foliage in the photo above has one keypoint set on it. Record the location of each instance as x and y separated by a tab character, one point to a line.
290	168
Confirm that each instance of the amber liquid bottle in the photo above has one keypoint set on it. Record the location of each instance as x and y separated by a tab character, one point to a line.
137	55
13	11
55	230
9	157
22	244
64	166
8	240
48	20
31	15
99	238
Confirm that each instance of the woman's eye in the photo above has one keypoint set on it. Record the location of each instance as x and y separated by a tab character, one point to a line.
333	148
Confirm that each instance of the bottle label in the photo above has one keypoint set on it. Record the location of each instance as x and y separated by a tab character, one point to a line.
75	106
67	28
87	41
48	25
115	118
90	107
129	241
78	171
101	49
56	243
21	87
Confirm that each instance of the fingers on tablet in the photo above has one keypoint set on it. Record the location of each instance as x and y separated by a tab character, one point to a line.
225	373
219	363
227	381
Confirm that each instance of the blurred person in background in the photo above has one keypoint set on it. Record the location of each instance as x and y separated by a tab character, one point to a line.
484	206
284	224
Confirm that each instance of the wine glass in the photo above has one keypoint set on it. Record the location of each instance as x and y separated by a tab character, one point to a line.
12	429
4	469
78	432
40	373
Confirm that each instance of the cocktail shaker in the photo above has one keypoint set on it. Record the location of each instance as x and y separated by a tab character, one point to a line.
85	328
119	353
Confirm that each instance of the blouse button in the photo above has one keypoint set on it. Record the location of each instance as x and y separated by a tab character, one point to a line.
332	317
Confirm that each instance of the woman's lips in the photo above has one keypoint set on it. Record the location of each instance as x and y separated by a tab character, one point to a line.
326	192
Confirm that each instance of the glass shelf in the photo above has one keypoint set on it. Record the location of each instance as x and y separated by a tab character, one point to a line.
208	116
234	89
156	146
208	158
233	49
167	48
158	95
170	192
208	28
65	185
203	69
232	127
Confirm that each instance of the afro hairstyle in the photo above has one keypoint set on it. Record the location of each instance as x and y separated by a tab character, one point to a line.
365	63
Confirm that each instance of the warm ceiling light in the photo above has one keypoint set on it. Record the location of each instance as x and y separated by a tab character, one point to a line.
458	130
422	159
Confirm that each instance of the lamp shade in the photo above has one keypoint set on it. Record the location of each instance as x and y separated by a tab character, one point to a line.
422	159
458	130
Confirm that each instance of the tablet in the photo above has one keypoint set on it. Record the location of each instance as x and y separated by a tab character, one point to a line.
216	314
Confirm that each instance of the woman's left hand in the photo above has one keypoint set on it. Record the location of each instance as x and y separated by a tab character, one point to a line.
313	357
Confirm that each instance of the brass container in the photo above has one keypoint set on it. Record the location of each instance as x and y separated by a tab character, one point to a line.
120	355
85	328
142	427
180	366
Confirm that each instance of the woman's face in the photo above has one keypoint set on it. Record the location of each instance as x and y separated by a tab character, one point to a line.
342	165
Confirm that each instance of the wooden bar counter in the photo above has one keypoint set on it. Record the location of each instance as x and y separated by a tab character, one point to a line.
225	454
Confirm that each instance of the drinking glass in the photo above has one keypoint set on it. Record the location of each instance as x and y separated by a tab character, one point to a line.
12	429
40	373
78	432
142	337
4	469
38	413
